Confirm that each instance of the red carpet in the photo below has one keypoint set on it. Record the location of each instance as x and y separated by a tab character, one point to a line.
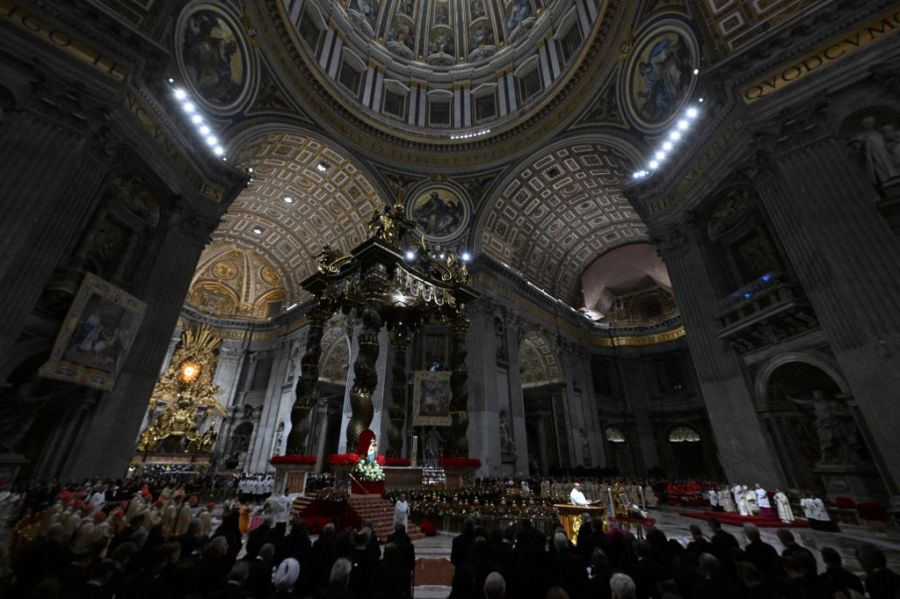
735	519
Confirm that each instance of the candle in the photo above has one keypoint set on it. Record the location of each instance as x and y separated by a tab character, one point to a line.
414	454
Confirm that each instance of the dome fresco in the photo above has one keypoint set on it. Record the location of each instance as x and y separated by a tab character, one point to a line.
444	32
442	69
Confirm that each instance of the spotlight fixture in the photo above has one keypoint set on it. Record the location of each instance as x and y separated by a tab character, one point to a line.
466	256
696	71
287	199
410	255
257	231
675	135
322	167
197	119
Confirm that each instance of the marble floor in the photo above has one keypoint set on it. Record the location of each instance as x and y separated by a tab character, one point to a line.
676	526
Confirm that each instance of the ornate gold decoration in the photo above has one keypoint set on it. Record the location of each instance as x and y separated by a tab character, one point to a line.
388	280
185	400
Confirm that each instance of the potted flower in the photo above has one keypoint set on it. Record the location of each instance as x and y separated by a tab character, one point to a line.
368	476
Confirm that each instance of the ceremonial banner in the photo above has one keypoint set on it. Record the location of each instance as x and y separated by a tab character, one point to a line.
431	398
96	335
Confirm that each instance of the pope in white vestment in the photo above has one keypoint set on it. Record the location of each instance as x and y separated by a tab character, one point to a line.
577	497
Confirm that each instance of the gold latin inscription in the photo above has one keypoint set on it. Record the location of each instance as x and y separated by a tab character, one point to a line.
75	48
836	50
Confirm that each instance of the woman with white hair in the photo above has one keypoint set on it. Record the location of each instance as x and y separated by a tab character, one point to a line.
285	577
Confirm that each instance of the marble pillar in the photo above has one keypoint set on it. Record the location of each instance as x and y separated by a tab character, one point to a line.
637	398
50	168
847	259
516	333
106	441
261	448
745	451
482	366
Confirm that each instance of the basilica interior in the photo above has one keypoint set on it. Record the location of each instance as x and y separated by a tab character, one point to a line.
602	237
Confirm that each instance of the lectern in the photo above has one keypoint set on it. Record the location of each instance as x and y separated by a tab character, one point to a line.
571	517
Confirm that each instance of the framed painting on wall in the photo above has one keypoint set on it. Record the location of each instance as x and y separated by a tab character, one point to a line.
431	398
96	335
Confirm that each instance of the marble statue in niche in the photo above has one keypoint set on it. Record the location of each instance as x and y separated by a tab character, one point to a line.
839	439
507	443
880	150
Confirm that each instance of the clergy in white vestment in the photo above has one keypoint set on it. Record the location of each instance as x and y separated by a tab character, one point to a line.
762	500
737	492
401	512
818	509
713	499
577	497
783	506
726	500
750	498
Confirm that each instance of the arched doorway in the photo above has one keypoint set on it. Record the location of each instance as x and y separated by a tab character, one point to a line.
619	450
687	451
543	394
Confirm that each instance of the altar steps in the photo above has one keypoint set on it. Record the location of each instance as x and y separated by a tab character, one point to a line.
380	513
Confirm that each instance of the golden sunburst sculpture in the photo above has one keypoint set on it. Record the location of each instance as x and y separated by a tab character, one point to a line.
185	402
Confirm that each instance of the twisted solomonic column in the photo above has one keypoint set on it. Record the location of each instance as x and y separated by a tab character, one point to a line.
307	385
365	375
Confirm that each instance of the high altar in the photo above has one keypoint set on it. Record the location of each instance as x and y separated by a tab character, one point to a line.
181	419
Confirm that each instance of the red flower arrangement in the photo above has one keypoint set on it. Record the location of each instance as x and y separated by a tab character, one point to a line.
343	459
380	459
309	460
395	462
459	463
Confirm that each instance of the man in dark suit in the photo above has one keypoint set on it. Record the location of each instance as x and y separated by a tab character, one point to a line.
761	554
881	583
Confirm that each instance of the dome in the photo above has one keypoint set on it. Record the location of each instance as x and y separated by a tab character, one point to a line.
448	72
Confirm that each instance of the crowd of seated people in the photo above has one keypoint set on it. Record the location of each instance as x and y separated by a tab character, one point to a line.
165	546
521	562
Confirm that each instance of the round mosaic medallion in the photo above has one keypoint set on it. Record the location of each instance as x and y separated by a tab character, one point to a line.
442	211
213	57
659	78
